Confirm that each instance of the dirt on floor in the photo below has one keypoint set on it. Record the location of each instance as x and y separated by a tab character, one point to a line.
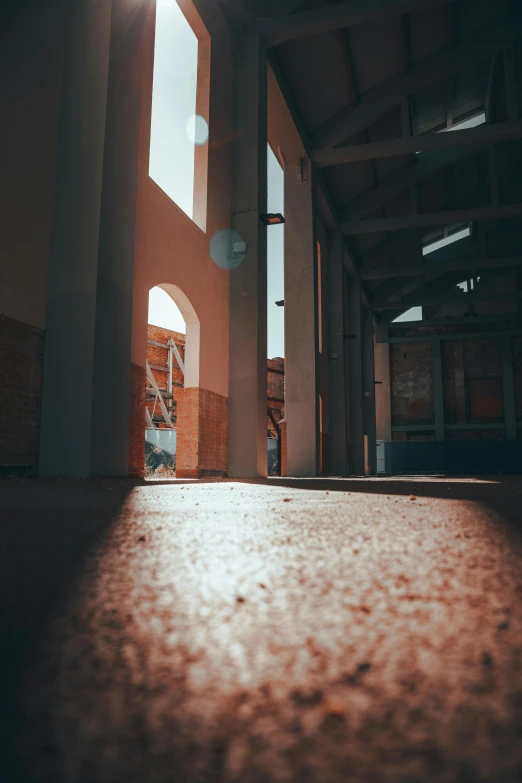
267	631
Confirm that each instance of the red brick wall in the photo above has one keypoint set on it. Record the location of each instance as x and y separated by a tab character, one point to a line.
21	361
159	357
213	450
276	391
187	438
137	422
202	433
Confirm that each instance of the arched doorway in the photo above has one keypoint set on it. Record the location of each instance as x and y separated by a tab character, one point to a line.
172	367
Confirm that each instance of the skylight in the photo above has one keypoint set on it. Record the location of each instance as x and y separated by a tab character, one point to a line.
447	240
468	285
413	314
471	122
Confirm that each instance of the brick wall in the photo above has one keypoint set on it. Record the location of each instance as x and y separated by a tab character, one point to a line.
213	454
275	391
158	357
187	438
202	433
21	361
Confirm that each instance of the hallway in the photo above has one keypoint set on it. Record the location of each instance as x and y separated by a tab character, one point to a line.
290	630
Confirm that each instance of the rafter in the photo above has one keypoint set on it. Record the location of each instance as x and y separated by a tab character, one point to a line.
402	179
456	297
400	242
351	121
471	137
431	219
333	17
462	265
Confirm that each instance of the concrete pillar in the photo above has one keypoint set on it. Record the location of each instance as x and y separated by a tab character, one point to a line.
356	384
369	393
112	361
65	444
86	395
301	347
247	455
382	391
337	357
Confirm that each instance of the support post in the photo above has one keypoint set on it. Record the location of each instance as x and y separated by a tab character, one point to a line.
356	385
247	454
438	396
370	427
301	337
114	294
508	387
67	411
337	357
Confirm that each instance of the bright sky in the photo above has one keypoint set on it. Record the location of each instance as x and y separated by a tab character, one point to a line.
275	261
164	312
171	163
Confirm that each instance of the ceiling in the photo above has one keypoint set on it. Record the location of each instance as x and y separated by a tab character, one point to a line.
371	84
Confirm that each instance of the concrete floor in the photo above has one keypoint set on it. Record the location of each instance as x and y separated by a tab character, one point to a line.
329	630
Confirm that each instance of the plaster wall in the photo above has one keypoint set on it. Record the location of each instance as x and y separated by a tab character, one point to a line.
170	248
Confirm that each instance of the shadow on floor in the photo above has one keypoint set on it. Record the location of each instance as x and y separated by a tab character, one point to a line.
51	528
48	529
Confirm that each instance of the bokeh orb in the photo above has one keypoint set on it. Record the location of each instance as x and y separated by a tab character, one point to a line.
197	130
228	249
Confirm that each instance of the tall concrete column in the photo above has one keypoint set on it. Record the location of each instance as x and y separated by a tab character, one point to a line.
86	395
301	337
369	390
337	357
247	451
112	363
65	444
356	375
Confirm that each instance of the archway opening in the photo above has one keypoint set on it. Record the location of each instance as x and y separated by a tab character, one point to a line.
172	365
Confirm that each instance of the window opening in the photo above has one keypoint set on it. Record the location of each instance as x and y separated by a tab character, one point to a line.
177	131
275	259
471	122
413	314
447	236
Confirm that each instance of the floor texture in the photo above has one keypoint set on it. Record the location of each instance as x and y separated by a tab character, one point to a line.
329	630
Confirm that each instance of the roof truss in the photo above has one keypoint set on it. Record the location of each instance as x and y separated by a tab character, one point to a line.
334	17
352	120
482	135
495	212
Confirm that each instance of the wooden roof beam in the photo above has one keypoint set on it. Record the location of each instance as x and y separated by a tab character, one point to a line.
351	121
430	269
495	212
334	17
470	137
